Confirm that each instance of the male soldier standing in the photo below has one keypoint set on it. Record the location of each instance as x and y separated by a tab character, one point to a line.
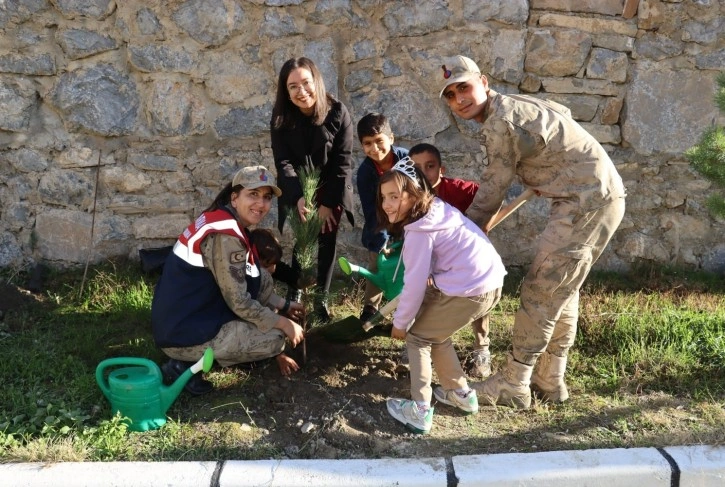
538	141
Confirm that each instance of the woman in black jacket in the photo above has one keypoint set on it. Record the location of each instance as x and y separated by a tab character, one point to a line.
309	126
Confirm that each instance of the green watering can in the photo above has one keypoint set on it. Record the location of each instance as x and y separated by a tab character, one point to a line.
138	393
389	277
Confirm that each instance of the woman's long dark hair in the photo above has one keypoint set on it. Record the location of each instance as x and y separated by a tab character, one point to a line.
224	198
422	192
284	111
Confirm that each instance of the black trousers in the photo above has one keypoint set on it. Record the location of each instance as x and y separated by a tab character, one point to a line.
326	253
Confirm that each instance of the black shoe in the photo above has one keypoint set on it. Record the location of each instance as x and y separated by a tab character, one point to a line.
368	312
197	385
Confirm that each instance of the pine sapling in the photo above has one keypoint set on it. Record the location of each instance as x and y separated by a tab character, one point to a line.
305	234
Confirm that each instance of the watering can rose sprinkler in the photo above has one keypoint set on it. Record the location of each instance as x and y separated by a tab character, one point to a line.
137	392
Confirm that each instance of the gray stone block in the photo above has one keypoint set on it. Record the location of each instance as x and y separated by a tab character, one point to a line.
99	99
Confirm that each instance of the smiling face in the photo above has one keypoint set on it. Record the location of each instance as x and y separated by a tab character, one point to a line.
377	147
252	205
395	203
301	89
468	98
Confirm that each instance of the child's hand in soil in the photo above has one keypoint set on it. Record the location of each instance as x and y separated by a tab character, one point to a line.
286	365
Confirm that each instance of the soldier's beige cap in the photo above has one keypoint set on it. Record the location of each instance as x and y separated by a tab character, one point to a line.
256	177
457	70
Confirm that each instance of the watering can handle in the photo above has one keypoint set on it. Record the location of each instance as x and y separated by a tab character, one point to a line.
504	212
389	307
111	362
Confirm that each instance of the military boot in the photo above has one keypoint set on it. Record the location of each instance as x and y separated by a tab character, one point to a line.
548	379
507	387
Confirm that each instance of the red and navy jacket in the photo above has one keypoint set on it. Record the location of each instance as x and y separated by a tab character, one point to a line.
188	307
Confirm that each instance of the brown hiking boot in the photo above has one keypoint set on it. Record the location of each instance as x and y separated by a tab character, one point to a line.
548	379
507	387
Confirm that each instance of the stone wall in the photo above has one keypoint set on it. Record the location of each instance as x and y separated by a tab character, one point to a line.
122	120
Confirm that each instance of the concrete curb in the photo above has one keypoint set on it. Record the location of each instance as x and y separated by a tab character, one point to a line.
702	466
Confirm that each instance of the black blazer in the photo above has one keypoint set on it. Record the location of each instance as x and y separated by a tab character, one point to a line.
328	146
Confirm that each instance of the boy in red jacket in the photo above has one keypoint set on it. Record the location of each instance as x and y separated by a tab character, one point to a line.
458	193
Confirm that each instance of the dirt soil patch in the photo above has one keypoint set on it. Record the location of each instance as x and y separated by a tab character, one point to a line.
334	407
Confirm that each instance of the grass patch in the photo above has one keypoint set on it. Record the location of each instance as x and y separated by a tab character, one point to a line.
646	370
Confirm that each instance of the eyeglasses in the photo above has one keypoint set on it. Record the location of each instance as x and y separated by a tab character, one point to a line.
308	85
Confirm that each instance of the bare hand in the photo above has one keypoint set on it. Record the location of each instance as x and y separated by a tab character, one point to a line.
286	365
293	331
302	209
398	334
327	217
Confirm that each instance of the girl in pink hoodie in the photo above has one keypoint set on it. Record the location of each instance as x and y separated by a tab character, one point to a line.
443	247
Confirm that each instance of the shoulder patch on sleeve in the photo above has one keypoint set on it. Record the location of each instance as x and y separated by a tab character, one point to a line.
237	257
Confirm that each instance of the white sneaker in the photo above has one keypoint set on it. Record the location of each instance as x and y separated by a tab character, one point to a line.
408	413
467	404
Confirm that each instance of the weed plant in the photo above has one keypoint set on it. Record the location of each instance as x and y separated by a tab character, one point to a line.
651	333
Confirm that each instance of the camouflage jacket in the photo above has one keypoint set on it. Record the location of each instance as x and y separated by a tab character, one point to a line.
539	142
226	257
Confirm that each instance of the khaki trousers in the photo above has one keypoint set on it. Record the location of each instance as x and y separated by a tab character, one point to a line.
429	341
236	342
480	327
570	244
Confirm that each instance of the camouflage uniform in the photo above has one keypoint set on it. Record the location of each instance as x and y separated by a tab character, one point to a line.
539	142
253	336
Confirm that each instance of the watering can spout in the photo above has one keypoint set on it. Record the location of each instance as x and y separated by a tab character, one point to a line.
170	393
389	275
349	268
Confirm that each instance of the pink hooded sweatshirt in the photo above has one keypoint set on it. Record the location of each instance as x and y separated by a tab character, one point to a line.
453	250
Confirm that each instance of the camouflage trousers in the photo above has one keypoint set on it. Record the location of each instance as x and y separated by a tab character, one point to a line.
570	244
236	342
